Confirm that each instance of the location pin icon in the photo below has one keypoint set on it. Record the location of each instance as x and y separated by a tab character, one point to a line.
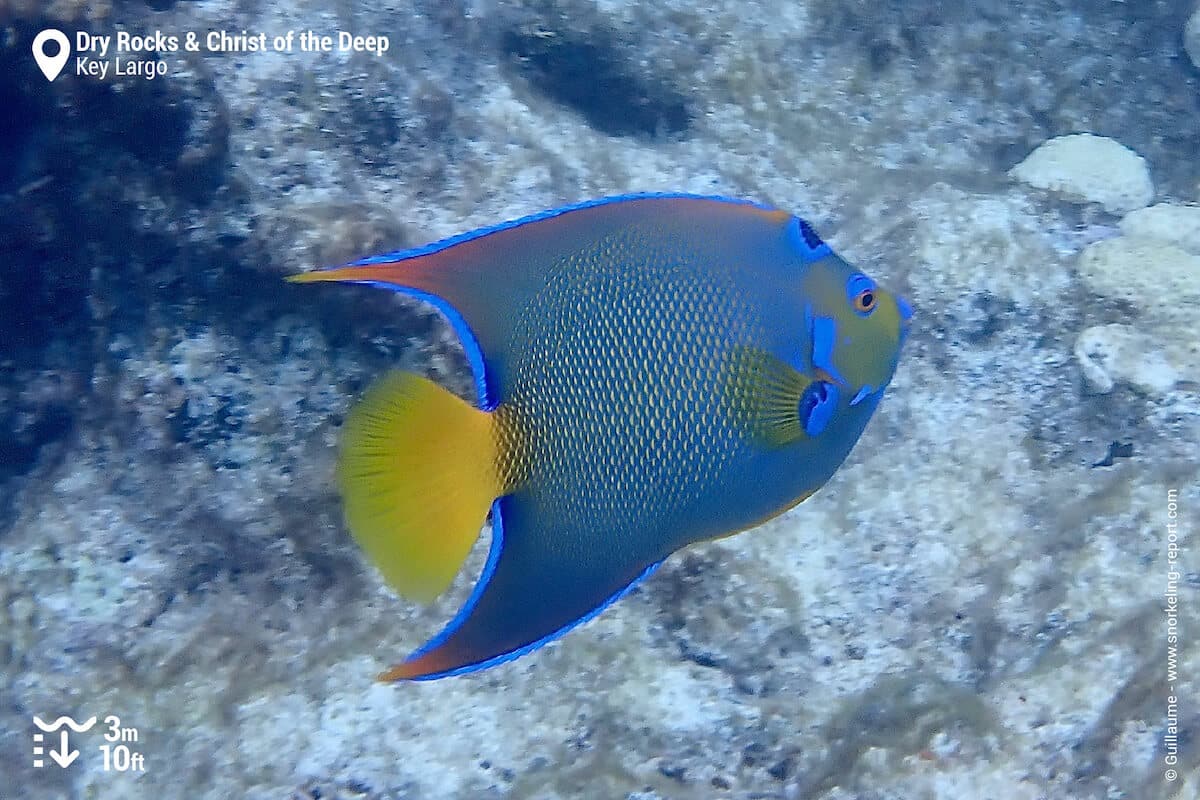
51	65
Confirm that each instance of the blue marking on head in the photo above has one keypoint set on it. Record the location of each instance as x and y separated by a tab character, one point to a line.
860	292
817	406
806	240
461	329
862	394
477	592
824	334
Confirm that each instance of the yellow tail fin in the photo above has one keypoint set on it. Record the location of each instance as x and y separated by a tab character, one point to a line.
418	473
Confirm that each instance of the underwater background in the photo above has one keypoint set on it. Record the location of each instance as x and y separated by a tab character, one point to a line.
980	603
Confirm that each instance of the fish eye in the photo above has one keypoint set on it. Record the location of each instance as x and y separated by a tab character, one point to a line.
860	290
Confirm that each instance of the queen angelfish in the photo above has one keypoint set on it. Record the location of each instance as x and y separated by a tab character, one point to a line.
650	371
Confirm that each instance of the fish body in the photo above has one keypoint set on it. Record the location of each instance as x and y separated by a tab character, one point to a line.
650	371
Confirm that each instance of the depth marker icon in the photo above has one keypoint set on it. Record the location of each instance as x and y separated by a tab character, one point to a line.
63	756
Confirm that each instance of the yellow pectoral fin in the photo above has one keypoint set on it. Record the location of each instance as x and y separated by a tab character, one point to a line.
771	389
418	472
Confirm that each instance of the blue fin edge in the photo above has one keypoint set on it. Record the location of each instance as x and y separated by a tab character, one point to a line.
469	606
462	330
442	244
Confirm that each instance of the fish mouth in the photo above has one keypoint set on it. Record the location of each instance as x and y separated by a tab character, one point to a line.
863	393
906	315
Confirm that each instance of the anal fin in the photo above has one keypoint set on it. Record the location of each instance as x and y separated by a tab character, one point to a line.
536	586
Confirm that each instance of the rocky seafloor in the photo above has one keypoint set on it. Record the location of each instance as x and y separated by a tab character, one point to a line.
973	608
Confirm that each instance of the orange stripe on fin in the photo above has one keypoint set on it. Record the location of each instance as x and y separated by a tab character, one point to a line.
400	273
416	669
